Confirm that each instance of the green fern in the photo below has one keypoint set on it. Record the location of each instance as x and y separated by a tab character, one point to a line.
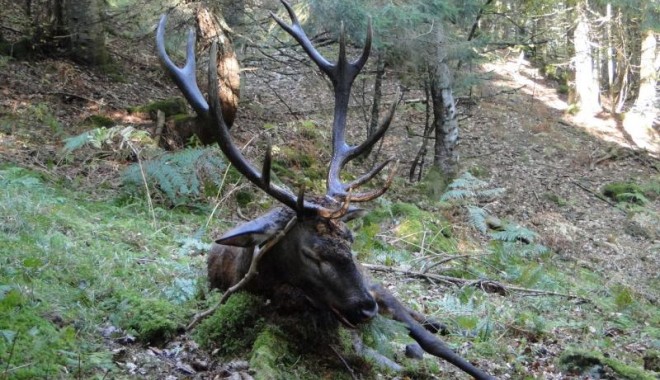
181	177
513	233
477	218
117	138
469	189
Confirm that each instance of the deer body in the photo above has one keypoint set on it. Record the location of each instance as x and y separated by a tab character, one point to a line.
306	244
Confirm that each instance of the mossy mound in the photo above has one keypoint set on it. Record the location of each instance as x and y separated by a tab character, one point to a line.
234	327
154	321
283	339
596	365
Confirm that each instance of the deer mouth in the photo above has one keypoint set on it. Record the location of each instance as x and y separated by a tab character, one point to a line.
342	318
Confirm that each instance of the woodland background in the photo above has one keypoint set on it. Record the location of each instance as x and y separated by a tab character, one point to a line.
525	214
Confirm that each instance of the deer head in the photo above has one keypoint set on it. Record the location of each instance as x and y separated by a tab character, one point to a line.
309	243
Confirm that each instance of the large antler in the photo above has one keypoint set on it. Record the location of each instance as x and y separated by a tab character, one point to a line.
341	74
186	81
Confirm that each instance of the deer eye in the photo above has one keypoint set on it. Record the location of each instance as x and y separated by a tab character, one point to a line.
311	254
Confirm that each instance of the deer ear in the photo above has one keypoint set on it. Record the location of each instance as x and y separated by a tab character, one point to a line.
353	213
256	231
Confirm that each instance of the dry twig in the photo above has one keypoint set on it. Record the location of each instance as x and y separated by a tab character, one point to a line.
257	254
486	285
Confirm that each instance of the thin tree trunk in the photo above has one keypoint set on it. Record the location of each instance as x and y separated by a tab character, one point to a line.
610	56
445	123
421	153
586	86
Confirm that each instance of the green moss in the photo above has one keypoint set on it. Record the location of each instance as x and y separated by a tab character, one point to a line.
234	327
309	130
30	344
561	202
479	171
169	107
182	118
269	352
434	183
623	297
98	121
244	197
154	321
591	362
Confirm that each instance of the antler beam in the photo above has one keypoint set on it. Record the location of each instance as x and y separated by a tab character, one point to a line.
342	74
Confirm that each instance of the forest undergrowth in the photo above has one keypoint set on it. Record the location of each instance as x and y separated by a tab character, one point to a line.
541	257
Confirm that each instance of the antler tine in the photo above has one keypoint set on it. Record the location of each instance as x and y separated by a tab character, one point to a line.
336	187
296	31
235	156
368	176
339	212
370	195
380	131
184	77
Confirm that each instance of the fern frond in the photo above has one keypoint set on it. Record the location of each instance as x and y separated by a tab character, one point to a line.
179	176
457	194
491	193
477	218
76	142
514	232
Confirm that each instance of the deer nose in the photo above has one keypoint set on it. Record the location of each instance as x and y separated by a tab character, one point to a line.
369	310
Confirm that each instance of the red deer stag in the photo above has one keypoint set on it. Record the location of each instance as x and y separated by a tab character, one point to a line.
308	242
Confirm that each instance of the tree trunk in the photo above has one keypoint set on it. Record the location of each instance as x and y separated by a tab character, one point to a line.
87	35
646	96
610	55
586	86
212	28
421	153
445	123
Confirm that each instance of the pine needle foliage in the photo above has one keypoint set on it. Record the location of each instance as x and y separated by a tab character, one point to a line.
179	177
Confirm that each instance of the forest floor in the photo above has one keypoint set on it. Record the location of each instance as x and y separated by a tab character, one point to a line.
516	134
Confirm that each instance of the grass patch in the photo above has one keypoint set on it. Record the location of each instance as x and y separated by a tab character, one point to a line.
69	263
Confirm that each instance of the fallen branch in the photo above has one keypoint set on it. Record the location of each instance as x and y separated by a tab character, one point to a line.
595	194
486	285
446	260
257	254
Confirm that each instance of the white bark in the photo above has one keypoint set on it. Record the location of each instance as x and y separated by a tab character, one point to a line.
586	85
647	74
